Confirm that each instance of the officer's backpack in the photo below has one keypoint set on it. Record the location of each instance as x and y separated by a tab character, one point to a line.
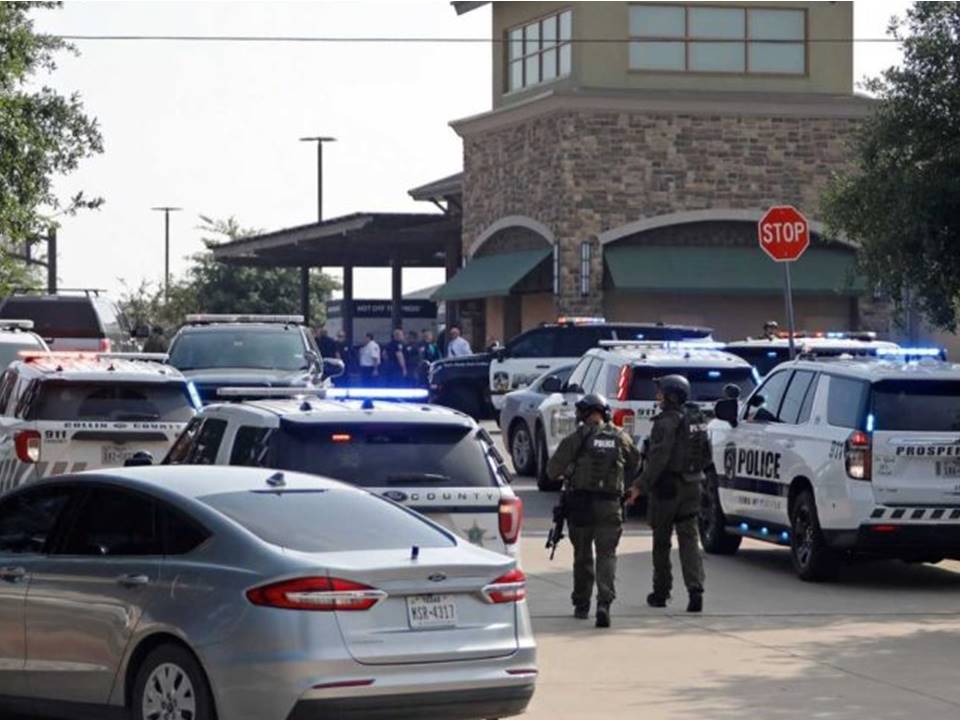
694	441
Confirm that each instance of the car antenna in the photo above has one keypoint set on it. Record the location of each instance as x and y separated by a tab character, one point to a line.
276	480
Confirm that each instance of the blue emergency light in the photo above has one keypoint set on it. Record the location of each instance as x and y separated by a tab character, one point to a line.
194	395
374	393
910	352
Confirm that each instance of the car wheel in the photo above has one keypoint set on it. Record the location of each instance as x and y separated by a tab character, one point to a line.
522	450
170	685
713	523
544	483
813	559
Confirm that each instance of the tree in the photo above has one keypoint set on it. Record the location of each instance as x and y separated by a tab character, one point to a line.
42	135
212	287
901	200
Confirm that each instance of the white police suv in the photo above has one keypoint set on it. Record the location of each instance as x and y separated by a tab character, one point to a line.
842	457
64	412
624	373
428	458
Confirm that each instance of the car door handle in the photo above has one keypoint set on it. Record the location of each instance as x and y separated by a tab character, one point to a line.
542	367
12	574
133	580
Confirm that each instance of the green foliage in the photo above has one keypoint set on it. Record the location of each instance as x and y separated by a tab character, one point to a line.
42	135
212	287
901	202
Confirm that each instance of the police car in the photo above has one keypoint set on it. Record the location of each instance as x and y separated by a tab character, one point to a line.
17	336
431	459
843	457
624	372
63	412
768	352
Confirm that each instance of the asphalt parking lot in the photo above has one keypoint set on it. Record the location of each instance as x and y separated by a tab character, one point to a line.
880	643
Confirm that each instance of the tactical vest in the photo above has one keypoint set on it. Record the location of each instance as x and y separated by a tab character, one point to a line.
691	453
599	464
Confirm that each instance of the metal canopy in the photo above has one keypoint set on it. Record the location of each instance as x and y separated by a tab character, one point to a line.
360	239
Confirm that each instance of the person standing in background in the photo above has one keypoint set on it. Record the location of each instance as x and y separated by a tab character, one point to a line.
326	344
458	345
394	362
411	353
369	361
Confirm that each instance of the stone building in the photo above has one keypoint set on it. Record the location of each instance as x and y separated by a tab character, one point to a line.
631	149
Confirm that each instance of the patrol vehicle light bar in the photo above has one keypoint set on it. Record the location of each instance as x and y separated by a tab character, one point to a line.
350	393
201	319
142	356
910	352
580	320
16	324
665	344
270	392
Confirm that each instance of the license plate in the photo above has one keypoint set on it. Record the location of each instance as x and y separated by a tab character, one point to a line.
117	455
428	612
948	469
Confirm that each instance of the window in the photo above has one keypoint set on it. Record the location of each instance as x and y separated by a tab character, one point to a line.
11	347
7	383
793	401
718	39
540	51
279	347
562	374
55	316
28	518
182	447
208	442
586	251
579	374
113	402
113	523
807	408
592	372
533	344
249	446
846	402
572	342
917	405
771	393
181	534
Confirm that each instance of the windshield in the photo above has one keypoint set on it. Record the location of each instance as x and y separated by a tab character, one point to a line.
919	405
327	520
114	402
276	348
55	317
382	455
9	349
706	384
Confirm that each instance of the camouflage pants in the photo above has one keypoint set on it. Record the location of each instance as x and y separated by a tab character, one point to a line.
597	523
678	512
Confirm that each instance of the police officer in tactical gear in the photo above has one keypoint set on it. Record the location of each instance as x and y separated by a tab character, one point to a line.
593	462
672	475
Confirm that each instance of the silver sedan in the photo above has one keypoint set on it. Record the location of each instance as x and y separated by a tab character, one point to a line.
519	418
191	593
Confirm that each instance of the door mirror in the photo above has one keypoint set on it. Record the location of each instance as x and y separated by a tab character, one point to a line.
727	410
573	389
500	354
757	400
140	459
552	384
332	368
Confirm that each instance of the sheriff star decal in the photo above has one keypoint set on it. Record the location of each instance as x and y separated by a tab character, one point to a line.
476	534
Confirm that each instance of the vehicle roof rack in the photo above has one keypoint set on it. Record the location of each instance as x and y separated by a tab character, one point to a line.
95	292
214	318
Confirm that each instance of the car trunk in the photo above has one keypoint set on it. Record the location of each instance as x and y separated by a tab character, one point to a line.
91	445
435	609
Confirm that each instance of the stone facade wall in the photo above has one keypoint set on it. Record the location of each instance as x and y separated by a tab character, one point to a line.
581	173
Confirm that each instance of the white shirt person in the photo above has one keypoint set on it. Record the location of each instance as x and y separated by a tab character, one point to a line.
458	345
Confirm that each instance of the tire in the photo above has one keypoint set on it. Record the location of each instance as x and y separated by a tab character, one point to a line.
465	400
171	674
813	559
523	452
713	523
544	483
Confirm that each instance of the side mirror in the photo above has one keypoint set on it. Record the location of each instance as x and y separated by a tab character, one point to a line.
332	368
572	389
552	384
140	459
756	401
500	354
727	410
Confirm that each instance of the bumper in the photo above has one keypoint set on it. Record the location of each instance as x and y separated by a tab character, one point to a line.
458	705
904	540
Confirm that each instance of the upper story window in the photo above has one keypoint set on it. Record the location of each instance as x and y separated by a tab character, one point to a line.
539	51
712	39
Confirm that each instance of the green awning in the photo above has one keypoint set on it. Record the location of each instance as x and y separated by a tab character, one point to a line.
491	275
730	270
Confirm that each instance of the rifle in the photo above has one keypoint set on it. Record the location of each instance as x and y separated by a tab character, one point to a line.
556	532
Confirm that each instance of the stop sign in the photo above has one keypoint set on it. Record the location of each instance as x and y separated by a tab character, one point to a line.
784	233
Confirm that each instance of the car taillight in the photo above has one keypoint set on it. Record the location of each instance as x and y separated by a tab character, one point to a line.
509	588
316	594
27	444
511	518
859	456
624	419
105	345
623	383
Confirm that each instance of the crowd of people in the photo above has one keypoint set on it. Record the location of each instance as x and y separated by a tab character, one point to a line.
403	361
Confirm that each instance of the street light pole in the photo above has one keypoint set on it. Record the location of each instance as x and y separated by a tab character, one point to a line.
166	210
305	270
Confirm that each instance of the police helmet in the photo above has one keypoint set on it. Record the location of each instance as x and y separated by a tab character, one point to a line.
676	386
592	403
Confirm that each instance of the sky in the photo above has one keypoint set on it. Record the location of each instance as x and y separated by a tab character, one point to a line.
214	127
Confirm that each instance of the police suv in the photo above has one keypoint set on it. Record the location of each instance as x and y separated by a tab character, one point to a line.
624	373
841	457
766	353
430	459
64	412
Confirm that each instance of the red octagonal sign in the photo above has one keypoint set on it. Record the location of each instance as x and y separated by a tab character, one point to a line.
784	233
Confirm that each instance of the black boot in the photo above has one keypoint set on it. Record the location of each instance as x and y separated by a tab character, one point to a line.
581	612
657	601
603	616
695	603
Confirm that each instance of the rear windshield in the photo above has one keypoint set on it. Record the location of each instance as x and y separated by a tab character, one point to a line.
384	455
278	348
9	349
113	402
706	384
55	317
327	520
921	405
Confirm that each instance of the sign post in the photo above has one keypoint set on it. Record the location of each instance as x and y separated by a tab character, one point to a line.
784	235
